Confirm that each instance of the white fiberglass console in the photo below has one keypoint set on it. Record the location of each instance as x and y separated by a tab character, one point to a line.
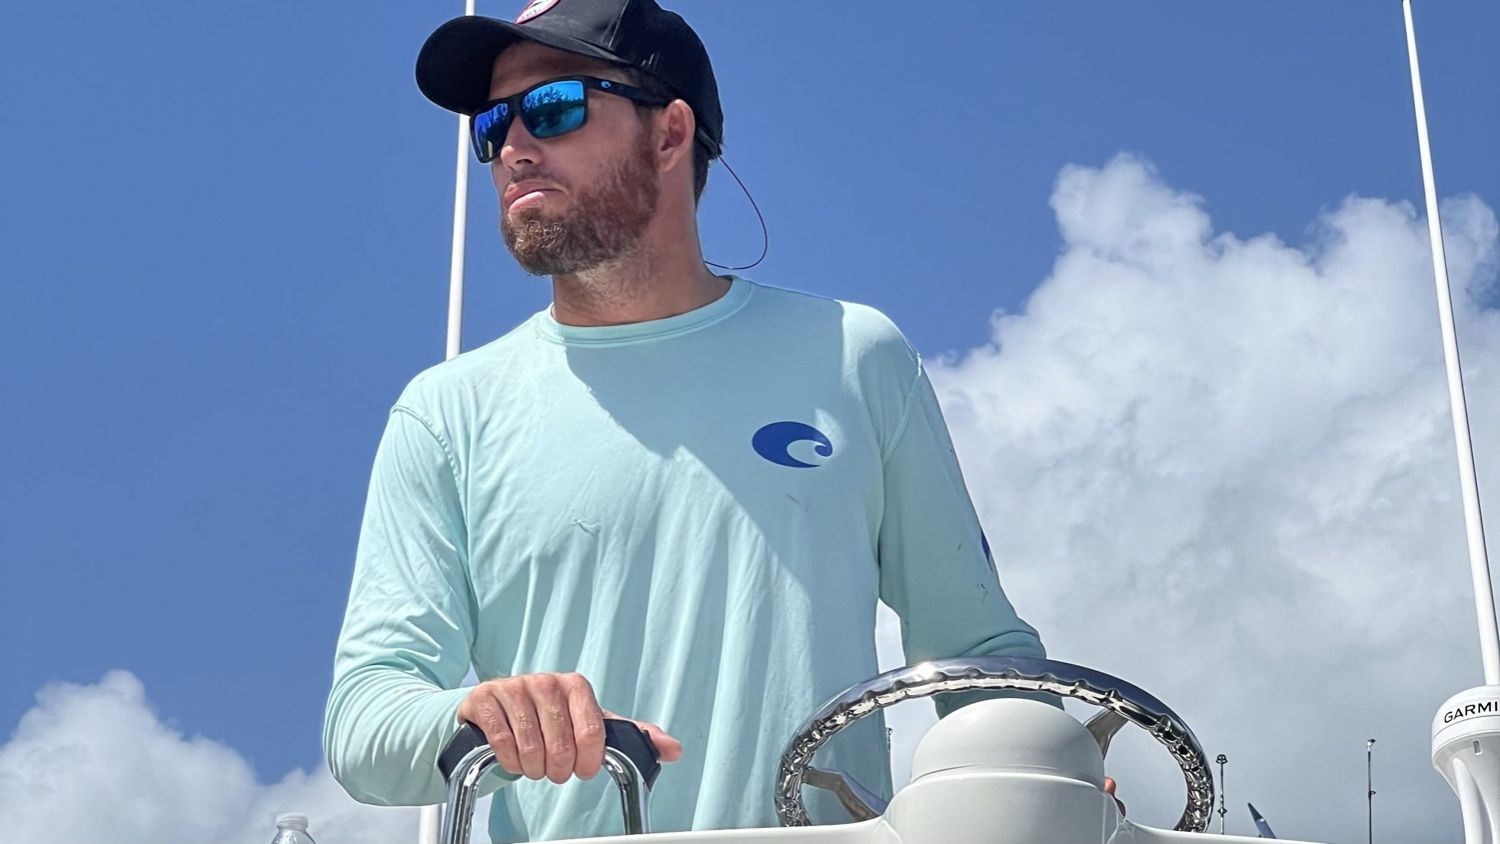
1009	771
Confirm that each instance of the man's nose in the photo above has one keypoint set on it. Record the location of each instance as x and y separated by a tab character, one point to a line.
520	148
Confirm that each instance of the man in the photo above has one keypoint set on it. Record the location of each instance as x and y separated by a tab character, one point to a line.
673	495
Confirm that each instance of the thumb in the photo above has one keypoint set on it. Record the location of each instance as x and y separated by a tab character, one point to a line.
668	749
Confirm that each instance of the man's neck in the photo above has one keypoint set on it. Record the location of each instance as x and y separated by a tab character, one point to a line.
643	286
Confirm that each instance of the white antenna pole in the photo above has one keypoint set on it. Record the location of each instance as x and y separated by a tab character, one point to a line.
1484	600
431	817
460	225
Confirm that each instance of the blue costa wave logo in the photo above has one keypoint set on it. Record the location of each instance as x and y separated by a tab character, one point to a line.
773	440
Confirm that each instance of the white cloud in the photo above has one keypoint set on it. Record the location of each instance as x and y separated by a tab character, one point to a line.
94	763
1219	468
1223	469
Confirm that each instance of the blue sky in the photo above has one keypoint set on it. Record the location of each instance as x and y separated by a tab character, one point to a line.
224	250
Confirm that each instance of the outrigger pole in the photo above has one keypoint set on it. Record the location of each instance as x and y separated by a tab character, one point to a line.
1466	730
460	225
430	819
1484	601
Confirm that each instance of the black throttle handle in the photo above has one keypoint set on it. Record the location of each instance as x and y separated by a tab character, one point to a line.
624	736
468	739
632	741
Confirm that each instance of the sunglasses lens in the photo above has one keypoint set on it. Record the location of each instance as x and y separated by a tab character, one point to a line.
489	130
554	109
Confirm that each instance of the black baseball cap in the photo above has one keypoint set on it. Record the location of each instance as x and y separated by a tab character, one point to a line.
454	65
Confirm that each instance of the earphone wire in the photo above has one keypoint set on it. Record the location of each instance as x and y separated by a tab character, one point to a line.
765	234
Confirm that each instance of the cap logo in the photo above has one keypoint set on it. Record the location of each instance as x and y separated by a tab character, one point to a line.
535	9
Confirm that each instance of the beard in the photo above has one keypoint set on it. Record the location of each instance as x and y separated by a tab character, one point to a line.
605	221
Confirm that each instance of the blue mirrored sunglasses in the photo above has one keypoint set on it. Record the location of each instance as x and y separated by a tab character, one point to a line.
550	109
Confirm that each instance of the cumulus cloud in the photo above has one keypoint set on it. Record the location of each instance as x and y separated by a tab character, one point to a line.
1223	469
95	763
1220	468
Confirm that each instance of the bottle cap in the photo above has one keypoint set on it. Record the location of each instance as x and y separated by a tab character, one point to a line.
299	821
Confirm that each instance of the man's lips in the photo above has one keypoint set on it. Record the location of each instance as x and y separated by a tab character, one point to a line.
522	194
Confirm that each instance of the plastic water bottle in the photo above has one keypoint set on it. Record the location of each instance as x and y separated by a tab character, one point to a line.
292	829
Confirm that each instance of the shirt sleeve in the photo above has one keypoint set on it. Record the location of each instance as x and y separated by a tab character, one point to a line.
936	571
405	645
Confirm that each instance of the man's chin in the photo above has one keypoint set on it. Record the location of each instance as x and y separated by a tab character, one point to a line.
527	228
529	216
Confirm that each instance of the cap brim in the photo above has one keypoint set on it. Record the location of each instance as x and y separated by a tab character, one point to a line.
455	63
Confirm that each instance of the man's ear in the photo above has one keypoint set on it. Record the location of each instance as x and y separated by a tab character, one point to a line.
676	126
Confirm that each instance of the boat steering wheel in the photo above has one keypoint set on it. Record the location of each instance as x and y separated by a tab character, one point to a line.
1121	702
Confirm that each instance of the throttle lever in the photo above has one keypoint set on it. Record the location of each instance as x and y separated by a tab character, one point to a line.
629	756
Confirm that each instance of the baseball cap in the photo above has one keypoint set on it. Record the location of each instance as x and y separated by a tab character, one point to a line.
454	65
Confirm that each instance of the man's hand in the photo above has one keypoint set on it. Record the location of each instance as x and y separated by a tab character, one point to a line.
549	725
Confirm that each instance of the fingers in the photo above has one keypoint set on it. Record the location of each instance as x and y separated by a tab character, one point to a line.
530	745
550	698
482	709
588	726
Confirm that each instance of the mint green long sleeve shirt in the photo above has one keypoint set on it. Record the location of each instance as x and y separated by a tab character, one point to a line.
697	513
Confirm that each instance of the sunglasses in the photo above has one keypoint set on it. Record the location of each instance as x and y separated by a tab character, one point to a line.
547	110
